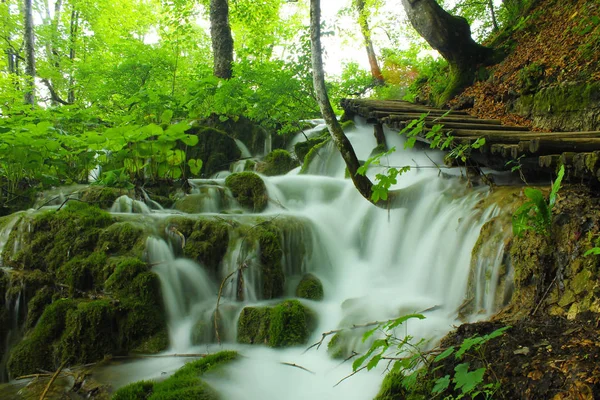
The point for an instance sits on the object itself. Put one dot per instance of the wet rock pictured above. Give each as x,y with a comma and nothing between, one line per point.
286,324
215,148
249,190
102,196
277,162
310,287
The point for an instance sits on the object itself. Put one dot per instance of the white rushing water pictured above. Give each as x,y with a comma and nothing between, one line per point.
375,265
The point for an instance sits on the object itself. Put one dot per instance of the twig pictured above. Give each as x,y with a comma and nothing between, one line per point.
43,396
333,332
297,366
544,296
348,376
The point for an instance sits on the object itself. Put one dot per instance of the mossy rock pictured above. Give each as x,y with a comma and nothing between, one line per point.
90,332
123,238
215,148
277,162
155,344
243,129
207,243
287,324
267,235
249,190
185,384
36,351
253,325
53,238
102,196
312,153
36,306
302,148
310,287
81,274
340,345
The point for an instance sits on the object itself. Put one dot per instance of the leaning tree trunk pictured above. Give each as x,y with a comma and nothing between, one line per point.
451,37
362,183
222,41
366,32
29,53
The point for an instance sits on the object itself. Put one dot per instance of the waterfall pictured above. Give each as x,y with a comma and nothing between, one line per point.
374,264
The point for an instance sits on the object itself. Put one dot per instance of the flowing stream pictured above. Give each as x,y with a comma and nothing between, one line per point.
375,265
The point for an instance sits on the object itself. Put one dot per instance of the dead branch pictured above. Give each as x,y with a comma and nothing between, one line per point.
297,366
348,376
43,396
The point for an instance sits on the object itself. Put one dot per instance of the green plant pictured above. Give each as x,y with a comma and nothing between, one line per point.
438,139
411,364
516,165
535,214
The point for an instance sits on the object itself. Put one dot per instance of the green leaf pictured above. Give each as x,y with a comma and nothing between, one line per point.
166,117
592,251
466,380
556,186
441,385
444,354
190,140
195,166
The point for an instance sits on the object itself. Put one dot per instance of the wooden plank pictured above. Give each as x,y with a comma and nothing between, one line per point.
450,118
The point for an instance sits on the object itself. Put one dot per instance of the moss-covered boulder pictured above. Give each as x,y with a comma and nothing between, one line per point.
102,196
54,237
310,287
81,274
215,148
127,237
185,384
268,238
207,242
287,324
249,190
277,162
36,351
302,148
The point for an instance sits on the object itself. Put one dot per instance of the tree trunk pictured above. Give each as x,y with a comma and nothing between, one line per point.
362,183
366,32
29,53
493,13
222,41
74,29
451,37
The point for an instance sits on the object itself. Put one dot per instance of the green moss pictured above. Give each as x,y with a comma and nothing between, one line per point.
90,332
286,324
155,344
277,162
349,124
102,196
312,153
310,287
291,324
391,388
123,238
207,243
340,345
184,384
52,238
302,148
253,325
35,306
267,235
124,274
81,274
36,351
249,190
135,391
249,165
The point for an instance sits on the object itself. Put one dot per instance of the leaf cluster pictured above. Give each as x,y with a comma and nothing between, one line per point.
536,214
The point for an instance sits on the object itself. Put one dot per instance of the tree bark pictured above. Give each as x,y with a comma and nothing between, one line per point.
366,32
74,29
29,52
222,41
362,183
451,37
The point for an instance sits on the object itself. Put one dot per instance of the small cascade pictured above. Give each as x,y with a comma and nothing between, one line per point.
15,304
245,153
5,233
153,205
188,292
125,204
208,196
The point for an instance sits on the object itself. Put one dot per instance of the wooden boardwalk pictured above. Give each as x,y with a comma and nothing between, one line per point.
537,152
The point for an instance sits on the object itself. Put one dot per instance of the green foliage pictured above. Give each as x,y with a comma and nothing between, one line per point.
249,190
410,365
536,214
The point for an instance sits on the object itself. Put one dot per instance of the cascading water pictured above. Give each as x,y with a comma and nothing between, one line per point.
375,265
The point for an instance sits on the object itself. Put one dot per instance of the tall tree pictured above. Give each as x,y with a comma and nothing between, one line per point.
362,183
222,41
363,21
29,51
451,37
